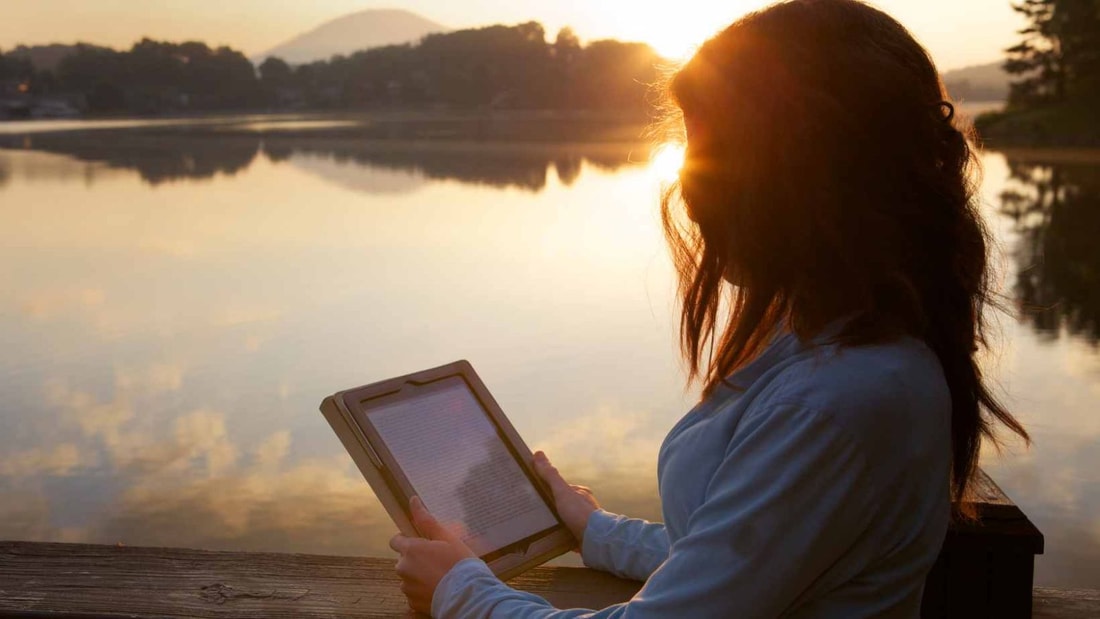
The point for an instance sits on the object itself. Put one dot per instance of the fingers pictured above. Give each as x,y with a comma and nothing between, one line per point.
549,474
400,543
428,526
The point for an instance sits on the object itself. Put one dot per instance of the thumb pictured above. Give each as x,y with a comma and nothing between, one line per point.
428,526
550,474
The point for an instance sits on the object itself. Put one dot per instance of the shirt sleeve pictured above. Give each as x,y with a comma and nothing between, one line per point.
626,547
792,495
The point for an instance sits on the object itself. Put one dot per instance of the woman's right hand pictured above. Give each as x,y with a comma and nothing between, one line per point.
574,503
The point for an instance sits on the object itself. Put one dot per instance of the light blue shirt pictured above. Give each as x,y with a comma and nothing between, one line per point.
818,488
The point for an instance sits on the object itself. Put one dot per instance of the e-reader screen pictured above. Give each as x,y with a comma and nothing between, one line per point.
458,464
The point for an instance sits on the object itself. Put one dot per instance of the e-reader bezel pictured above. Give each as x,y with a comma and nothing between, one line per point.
507,560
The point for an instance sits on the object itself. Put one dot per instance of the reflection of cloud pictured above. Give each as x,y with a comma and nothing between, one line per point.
91,416
201,435
615,454
167,247
46,304
185,484
603,443
315,506
358,177
152,379
62,459
234,315
1055,485
24,515
198,436
270,454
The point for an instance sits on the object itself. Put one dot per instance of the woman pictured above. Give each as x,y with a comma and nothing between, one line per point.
832,270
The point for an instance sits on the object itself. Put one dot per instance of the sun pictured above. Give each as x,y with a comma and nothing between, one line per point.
677,47
666,161
674,32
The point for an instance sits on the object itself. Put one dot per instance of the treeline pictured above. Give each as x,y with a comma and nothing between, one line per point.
1056,66
1058,58
150,77
498,66
506,67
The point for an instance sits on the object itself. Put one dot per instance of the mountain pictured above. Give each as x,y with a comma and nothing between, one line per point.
350,33
984,82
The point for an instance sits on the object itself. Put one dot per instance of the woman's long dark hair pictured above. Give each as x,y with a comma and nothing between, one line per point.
825,176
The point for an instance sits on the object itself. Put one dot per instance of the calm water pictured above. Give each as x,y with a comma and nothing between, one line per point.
172,311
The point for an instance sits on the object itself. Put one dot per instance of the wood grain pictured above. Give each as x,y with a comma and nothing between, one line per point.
77,581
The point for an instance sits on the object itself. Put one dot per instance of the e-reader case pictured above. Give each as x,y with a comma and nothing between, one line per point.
384,475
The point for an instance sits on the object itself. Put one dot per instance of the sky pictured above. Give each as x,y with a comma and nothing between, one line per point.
957,32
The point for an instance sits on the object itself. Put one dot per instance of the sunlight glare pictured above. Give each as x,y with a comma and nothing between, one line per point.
666,161
670,32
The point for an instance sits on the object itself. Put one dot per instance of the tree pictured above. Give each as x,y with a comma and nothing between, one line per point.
1059,56
275,72
14,68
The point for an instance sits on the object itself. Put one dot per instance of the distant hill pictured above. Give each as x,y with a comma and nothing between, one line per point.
43,57
350,33
984,82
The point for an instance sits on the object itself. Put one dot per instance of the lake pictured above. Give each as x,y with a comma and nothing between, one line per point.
174,305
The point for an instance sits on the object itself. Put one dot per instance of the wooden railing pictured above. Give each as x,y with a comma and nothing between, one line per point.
983,571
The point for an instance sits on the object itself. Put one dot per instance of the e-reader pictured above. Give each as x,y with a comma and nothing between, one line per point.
439,434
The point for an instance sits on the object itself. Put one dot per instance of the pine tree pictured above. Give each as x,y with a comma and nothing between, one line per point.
1059,56
1079,33
1037,58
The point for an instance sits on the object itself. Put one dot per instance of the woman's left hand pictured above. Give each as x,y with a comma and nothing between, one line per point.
426,560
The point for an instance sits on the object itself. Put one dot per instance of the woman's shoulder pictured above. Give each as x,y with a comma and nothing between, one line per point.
875,391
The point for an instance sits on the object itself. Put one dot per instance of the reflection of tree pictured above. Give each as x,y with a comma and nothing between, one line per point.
491,494
163,156
473,164
496,164
1056,210
157,158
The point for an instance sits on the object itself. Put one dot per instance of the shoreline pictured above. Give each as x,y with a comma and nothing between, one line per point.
1061,126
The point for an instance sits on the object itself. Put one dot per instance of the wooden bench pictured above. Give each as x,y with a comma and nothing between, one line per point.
983,571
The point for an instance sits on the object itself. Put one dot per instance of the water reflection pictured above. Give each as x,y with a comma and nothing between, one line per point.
195,155
166,342
1055,207
493,164
156,159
